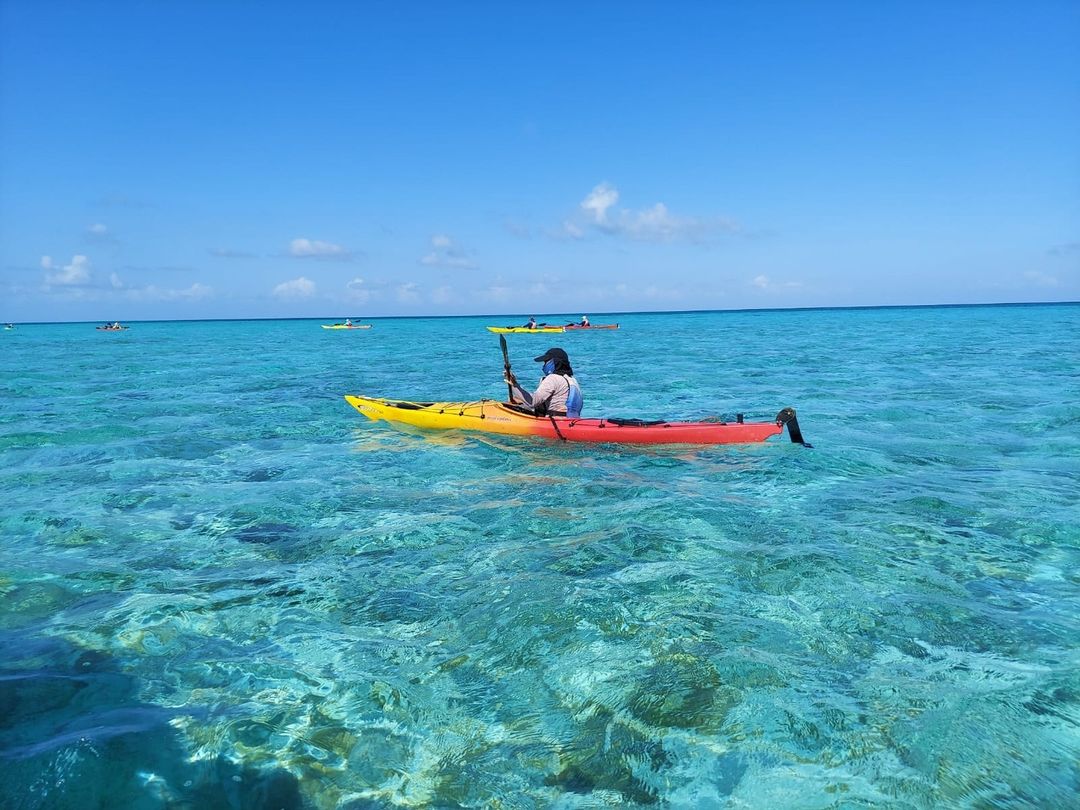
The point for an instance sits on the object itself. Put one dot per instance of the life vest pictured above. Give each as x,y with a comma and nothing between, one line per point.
574,400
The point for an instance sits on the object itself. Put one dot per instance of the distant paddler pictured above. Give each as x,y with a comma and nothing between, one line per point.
531,327
346,324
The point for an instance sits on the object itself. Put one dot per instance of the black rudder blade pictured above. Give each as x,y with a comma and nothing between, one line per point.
787,417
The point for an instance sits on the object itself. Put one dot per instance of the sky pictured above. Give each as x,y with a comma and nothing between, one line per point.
242,159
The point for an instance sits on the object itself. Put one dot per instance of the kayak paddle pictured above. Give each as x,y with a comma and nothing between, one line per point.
506,367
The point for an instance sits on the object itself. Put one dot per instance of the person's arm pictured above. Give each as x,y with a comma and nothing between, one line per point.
518,394
521,395
539,398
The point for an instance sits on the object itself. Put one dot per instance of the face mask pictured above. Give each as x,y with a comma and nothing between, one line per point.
549,366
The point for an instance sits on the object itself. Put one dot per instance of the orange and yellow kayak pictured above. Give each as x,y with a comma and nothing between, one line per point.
491,416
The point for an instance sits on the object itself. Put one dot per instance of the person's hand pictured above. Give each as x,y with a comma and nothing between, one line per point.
509,378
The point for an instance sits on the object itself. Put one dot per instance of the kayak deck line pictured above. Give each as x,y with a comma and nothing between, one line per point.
492,416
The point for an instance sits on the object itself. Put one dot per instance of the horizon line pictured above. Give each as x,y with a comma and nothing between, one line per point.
600,313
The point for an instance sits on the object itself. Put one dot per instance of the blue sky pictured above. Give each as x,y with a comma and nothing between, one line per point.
243,159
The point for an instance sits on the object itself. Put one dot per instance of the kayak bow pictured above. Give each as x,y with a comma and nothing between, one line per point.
490,416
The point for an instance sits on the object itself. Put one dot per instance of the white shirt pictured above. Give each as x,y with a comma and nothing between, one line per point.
551,394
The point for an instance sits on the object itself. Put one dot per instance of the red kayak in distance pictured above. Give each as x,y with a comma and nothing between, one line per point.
577,326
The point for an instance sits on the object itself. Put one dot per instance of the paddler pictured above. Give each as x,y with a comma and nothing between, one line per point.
558,394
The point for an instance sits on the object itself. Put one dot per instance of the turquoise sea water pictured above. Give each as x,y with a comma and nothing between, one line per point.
223,587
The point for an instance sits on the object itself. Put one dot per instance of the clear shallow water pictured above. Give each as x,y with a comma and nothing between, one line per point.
223,587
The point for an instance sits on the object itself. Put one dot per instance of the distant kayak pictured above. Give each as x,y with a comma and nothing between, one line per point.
577,326
491,416
344,326
508,330
111,328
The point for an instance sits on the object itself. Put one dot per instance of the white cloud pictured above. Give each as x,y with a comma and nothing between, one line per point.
356,292
598,201
297,288
765,283
70,275
445,295
498,293
654,224
446,252
654,293
569,230
74,281
524,295
229,253
409,292
195,292
315,249
1040,278
99,233
539,289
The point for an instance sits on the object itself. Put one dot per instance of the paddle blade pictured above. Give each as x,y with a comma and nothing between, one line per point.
506,367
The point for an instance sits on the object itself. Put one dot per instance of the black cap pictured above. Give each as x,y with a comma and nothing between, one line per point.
553,354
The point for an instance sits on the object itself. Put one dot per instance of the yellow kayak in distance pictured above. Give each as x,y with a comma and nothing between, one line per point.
343,326
520,330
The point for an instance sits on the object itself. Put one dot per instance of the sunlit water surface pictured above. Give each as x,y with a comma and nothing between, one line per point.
223,587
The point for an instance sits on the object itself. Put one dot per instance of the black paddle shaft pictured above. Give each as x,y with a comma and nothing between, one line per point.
506,367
